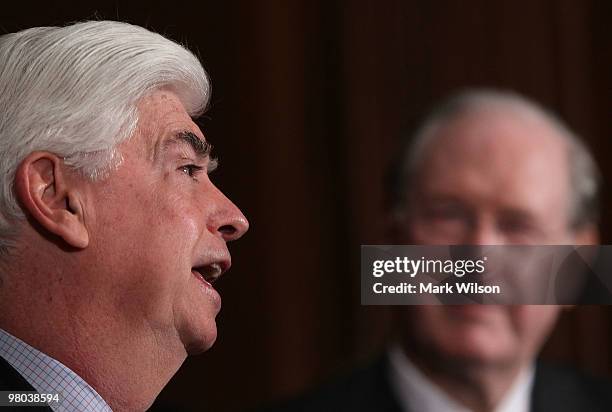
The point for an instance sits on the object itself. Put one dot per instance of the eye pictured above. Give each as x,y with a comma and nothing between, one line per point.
191,170
518,221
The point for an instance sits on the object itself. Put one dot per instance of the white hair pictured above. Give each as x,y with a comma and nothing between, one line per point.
73,91
584,174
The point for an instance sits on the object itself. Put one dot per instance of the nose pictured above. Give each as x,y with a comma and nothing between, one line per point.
483,231
228,221
235,229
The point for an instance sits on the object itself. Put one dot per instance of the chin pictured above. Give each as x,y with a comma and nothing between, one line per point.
198,346
200,337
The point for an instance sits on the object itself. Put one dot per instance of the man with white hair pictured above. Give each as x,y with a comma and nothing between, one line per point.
111,233
486,168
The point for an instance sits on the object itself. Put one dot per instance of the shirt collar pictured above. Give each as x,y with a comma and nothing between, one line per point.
48,375
416,392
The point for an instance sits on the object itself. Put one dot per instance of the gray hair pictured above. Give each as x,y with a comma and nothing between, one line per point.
584,175
73,91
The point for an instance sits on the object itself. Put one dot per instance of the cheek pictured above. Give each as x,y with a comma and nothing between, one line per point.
430,324
417,232
152,258
534,323
180,218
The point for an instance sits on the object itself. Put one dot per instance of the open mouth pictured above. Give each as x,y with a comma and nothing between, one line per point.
210,273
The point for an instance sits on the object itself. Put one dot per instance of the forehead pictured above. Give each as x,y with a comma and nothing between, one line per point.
161,116
500,155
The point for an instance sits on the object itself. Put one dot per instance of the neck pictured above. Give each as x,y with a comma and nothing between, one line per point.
477,386
51,309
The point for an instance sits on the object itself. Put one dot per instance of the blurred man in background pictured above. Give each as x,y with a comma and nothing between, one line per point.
485,168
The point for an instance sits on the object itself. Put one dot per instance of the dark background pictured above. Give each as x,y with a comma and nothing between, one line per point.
309,101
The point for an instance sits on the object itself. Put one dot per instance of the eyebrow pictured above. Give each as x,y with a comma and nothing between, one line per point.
201,147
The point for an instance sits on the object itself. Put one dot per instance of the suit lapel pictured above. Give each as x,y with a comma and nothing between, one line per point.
11,380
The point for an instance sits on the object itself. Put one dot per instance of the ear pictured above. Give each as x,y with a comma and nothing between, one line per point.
51,197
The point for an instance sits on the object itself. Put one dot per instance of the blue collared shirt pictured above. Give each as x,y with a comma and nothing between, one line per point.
49,376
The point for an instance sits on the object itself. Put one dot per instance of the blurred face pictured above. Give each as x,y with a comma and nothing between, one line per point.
493,177
160,229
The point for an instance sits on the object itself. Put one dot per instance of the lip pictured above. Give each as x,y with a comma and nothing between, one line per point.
208,289
208,268
473,312
213,265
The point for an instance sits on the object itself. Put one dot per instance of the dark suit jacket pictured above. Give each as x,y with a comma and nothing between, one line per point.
368,389
11,380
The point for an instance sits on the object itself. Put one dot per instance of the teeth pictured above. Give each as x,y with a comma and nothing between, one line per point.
210,273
